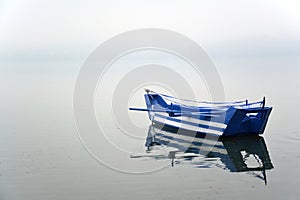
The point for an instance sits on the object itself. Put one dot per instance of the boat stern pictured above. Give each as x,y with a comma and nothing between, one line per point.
246,121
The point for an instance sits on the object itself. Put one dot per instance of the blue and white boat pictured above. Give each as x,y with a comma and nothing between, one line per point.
217,118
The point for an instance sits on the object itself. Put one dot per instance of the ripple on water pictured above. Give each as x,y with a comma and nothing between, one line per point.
293,136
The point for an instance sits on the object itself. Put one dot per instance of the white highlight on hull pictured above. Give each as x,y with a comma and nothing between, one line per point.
199,121
182,125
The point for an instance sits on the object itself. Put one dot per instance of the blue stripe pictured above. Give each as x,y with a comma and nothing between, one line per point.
191,123
167,140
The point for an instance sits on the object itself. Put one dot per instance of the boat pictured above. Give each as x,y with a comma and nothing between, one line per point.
218,118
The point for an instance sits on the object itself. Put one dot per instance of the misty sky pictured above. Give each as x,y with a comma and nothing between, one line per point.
72,29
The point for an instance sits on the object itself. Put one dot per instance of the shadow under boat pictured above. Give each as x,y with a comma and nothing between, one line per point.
235,152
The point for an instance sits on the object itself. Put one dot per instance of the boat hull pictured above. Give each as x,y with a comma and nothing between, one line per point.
233,121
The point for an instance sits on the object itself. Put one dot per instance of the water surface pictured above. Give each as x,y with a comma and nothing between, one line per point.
41,156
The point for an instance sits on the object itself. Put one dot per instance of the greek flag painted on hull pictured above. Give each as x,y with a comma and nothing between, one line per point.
217,118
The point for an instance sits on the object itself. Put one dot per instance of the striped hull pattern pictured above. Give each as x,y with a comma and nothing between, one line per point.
248,119
191,124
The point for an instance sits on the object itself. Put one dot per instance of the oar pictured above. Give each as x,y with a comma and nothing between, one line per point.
153,110
177,112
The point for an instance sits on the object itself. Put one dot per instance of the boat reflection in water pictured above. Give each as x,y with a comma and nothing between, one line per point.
235,153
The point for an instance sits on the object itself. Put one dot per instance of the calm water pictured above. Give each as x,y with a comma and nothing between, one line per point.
41,156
